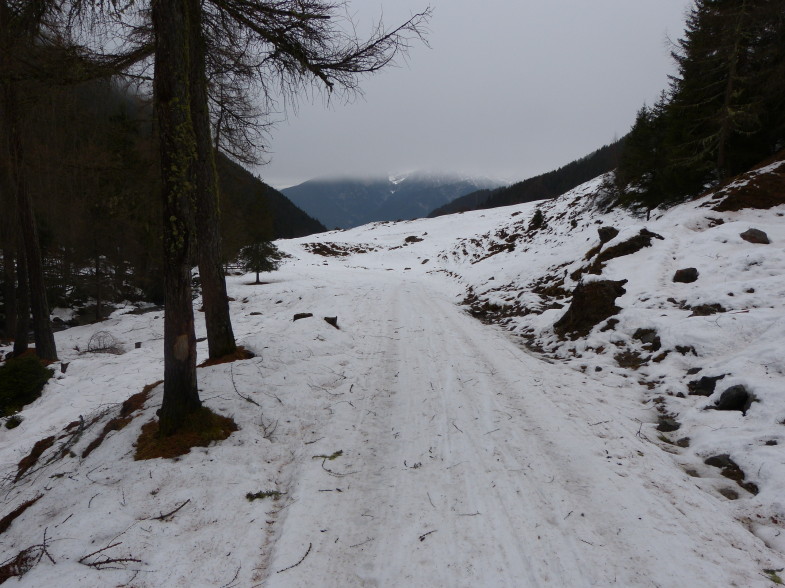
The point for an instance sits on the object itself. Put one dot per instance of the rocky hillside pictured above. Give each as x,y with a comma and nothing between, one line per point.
623,409
685,311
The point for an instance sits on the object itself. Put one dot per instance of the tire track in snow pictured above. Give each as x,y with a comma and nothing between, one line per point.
479,465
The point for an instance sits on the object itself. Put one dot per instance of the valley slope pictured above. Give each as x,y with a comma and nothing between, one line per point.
410,444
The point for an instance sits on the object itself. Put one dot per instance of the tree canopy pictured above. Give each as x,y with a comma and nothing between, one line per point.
724,110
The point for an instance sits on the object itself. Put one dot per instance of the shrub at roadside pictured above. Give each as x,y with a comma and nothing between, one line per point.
21,382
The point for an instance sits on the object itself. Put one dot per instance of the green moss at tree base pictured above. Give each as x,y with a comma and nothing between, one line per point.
201,428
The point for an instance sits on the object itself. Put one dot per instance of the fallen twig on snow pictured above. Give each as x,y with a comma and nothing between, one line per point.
310,545
269,429
231,582
101,564
163,517
424,535
234,385
24,561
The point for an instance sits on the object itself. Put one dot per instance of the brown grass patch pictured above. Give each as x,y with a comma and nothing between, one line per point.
115,424
6,521
32,458
134,403
239,354
200,429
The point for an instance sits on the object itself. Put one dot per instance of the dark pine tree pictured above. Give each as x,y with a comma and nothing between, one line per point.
262,256
725,110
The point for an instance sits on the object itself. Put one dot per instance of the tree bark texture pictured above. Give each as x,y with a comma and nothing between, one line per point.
9,288
10,241
22,304
45,346
12,134
220,336
178,151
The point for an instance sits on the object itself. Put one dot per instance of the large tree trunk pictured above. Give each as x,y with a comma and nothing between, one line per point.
178,150
220,337
42,327
12,134
22,304
727,120
9,243
9,288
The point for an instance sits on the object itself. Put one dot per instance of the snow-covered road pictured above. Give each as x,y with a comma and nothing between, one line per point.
468,462
458,458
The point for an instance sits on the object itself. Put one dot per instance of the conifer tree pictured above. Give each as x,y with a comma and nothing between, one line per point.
713,100
725,108
643,175
296,43
261,256
20,24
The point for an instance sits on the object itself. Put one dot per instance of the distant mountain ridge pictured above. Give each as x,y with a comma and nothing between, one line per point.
350,202
542,187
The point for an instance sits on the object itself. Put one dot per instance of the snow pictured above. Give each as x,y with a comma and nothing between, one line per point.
460,457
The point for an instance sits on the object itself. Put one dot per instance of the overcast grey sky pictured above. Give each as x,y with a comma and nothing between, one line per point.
509,89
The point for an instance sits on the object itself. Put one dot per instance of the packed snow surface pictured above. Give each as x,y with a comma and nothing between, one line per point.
417,446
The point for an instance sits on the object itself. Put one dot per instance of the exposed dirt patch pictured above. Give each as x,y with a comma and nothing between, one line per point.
628,247
490,312
706,309
23,562
136,402
115,424
337,249
729,493
731,470
550,286
630,359
753,190
592,252
591,304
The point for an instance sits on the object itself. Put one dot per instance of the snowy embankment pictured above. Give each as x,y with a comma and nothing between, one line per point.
417,446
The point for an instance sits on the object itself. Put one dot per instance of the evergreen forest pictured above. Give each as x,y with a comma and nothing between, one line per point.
723,111
94,183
